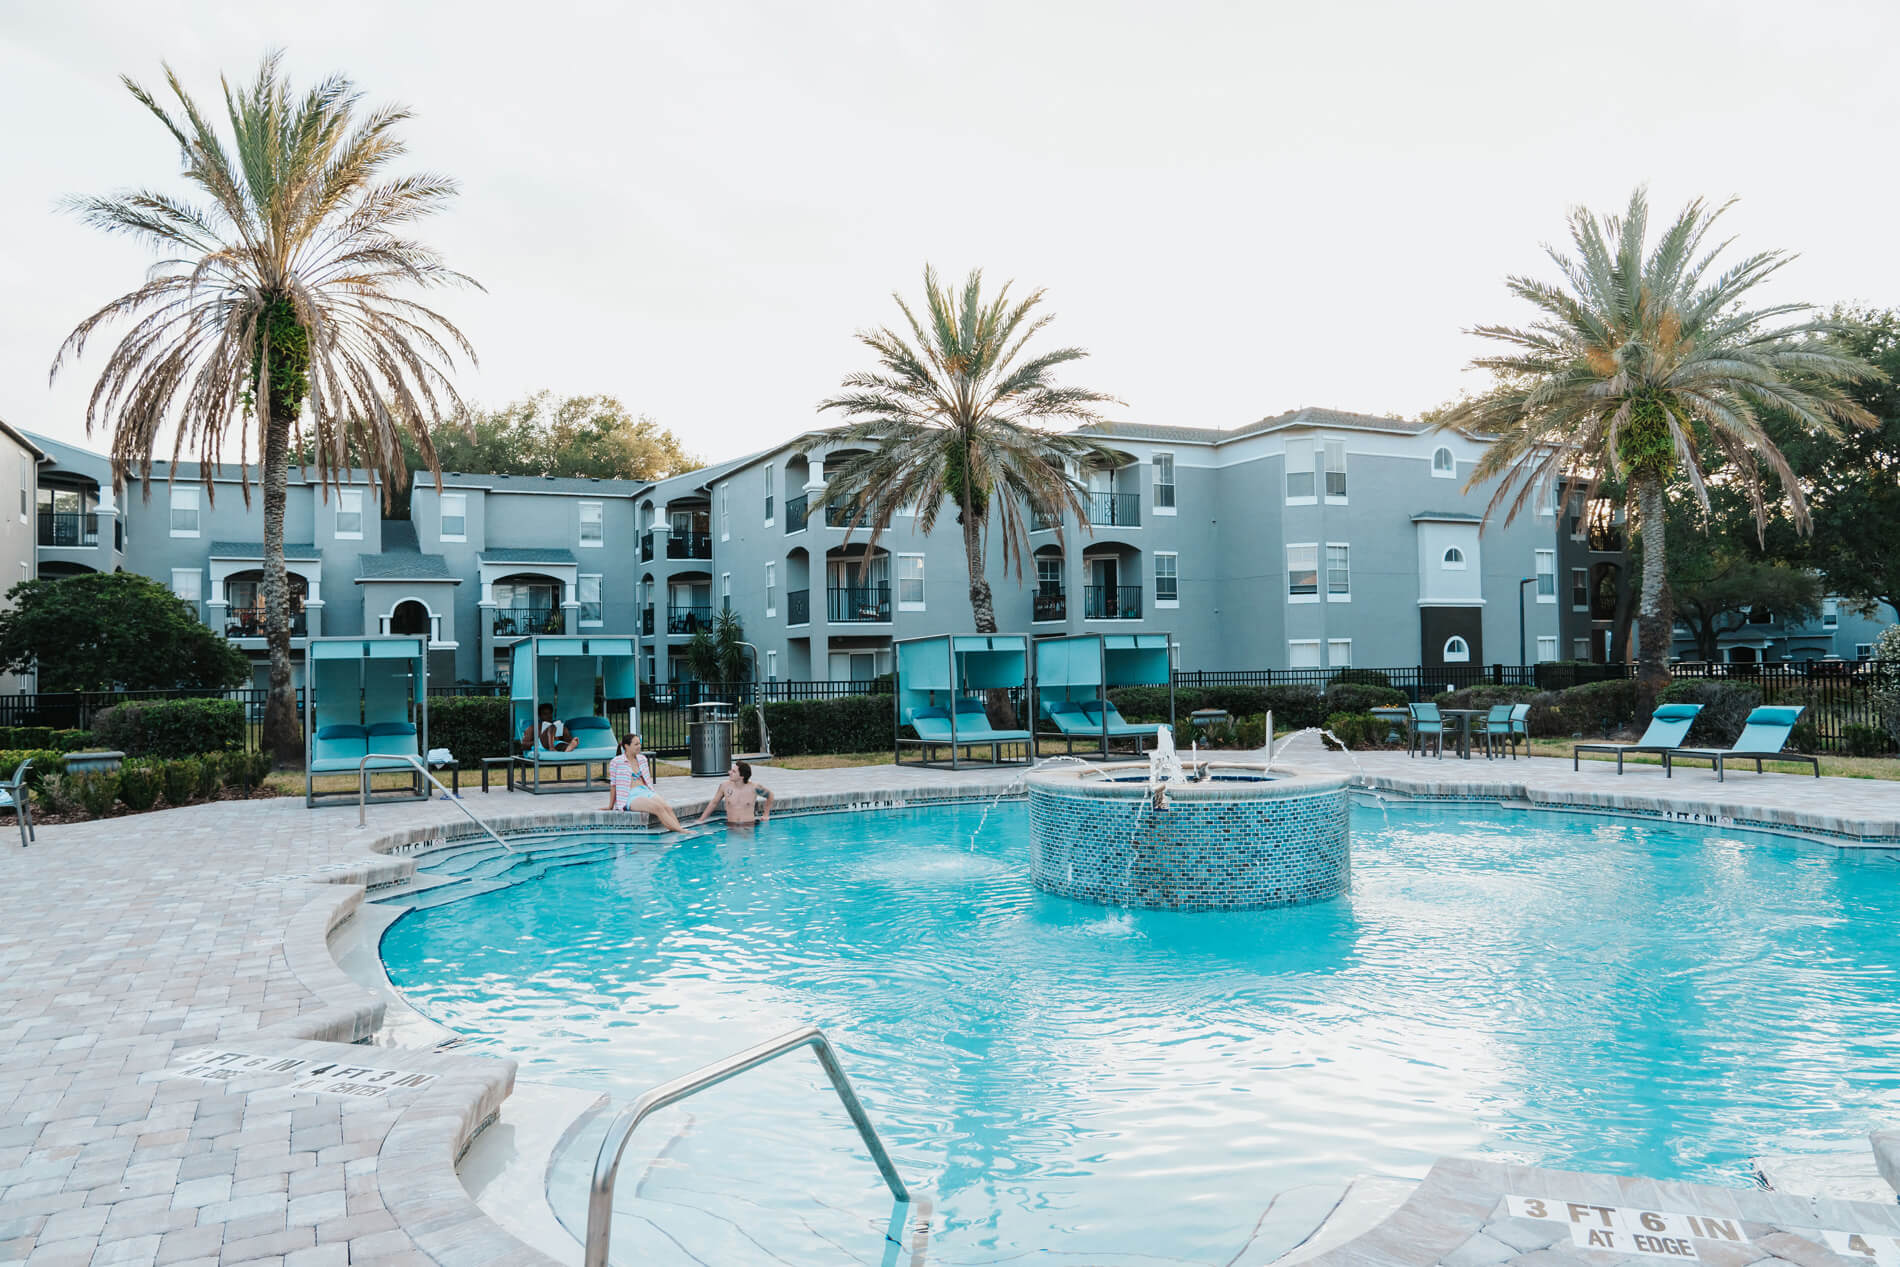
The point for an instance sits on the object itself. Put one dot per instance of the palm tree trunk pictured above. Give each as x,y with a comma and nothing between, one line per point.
283,737
1653,617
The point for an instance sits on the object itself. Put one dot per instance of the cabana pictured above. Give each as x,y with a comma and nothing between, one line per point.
365,697
1074,676
563,671
939,685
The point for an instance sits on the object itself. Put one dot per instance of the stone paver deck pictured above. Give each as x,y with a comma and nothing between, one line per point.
127,943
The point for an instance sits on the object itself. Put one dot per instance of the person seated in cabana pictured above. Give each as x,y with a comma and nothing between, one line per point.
548,734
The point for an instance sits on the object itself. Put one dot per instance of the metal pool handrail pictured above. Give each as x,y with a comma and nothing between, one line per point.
600,1199
362,792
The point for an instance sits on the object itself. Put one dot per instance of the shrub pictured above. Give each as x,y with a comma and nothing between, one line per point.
1358,730
1251,732
470,726
1150,703
95,793
211,773
138,785
171,727
45,762
56,793
1357,677
851,723
71,740
27,737
1725,709
1545,722
245,770
1596,708
180,778
1865,741
1805,737
1486,695
1350,697
1295,707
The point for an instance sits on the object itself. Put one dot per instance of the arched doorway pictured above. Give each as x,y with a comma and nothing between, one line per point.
410,618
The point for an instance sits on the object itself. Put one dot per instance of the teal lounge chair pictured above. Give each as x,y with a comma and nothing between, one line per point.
1083,720
1425,724
973,729
1668,727
1762,739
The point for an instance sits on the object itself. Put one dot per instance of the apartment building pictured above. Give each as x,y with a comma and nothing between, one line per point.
20,462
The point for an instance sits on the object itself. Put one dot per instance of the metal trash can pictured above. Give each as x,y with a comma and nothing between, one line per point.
709,738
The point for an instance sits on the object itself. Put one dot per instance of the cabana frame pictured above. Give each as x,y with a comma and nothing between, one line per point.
562,670
1080,670
938,681
365,697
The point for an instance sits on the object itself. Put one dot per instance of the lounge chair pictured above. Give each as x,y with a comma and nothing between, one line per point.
1668,727
973,729
13,796
1083,720
1425,722
1763,737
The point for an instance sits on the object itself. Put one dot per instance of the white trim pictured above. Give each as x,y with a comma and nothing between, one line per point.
441,513
1448,473
771,587
1584,606
1168,603
1326,443
1447,564
1338,642
197,583
1463,655
1154,482
1287,588
897,576
1326,570
1319,650
580,528
1537,570
724,493
1541,640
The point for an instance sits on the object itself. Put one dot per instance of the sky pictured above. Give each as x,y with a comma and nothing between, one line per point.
1237,209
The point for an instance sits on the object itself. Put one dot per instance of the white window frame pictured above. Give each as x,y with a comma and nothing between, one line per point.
1335,658
1546,643
1174,560
897,571
197,584
1830,613
1548,498
189,498
442,520
1449,471
725,512
1299,458
771,666
600,520
1154,463
1331,449
1345,595
1448,564
1579,648
771,588
26,486
1575,606
725,591
600,599
771,495
1304,643
349,501
1313,546
1460,656
1546,566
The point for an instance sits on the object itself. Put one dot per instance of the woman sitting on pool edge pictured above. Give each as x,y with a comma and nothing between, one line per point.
739,794
628,768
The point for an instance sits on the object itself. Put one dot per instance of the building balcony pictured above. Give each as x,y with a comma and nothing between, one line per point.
796,509
1111,602
1040,522
520,622
839,516
1115,510
248,623
858,605
689,619
1050,604
689,545
68,528
798,607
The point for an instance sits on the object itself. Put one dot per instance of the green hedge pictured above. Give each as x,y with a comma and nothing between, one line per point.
1356,697
1591,710
1292,706
1358,677
800,728
1486,695
1359,730
470,726
1150,703
45,761
172,727
1725,710
13,737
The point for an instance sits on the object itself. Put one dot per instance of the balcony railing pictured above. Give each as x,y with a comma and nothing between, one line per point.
520,622
839,516
689,545
1041,522
646,621
68,528
858,604
248,622
798,607
1111,602
688,619
1115,510
1051,605
795,509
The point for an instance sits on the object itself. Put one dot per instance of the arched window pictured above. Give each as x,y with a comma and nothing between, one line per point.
410,617
1457,650
1442,463
1454,559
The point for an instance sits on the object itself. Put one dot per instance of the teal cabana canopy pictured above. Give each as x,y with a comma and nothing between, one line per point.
366,709
570,673
1074,676
940,686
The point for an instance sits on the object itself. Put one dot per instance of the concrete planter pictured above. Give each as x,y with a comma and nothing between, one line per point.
93,762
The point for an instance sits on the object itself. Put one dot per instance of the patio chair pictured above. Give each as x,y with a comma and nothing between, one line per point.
1497,726
13,796
1425,723
1763,737
1668,727
1520,728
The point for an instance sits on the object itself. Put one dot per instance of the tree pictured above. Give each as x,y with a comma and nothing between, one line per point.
1644,368
577,436
718,653
956,413
104,631
1719,598
282,301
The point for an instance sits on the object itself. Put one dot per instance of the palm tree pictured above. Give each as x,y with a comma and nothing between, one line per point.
1644,371
956,413
283,290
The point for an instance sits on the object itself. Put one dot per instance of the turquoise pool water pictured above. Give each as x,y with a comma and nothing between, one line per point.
1108,1086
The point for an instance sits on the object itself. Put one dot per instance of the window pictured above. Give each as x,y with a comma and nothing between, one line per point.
1302,573
1830,613
1580,588
725,516
769,475
26,486
910,582
1548,498
1579,648
1302,653
1299,470
1167,579
1049,574
1164,483
1546,576
184,512
1863,651
1338,572
1546,648
1443,467
188,584
588,591
1335,453
725,591
1454,560
593,525
1339,653
454,517
771,589
771,659
349,514
1457,650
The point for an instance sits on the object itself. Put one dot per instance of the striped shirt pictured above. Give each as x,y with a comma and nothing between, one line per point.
620,773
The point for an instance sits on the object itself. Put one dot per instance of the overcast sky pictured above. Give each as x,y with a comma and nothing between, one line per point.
1238,209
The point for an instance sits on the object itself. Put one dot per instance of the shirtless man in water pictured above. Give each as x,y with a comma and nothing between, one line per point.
739,796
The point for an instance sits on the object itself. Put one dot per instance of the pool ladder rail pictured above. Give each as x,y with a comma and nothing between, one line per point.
600,1198
362,793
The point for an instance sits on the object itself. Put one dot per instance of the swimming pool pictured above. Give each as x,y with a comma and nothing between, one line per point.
1575,991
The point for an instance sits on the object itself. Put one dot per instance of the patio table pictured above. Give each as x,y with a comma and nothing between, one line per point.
1464,716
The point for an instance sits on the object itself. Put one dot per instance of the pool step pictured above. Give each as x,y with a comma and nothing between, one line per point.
448,875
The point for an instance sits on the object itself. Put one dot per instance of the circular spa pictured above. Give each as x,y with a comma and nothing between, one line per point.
1126,1086
1212,838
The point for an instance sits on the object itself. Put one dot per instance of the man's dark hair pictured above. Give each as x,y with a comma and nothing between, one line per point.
546,709
745,771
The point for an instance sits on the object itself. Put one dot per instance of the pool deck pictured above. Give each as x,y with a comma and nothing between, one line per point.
130,944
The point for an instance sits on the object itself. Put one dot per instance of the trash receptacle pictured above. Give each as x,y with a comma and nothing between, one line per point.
709,738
